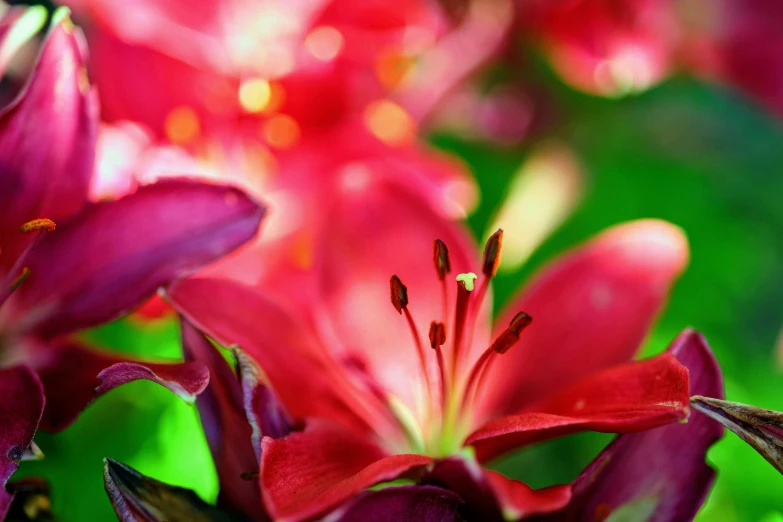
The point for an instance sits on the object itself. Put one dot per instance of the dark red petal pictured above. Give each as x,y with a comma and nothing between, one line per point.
630,397
308,382
592,309
658,475
137,498
114,255
393,504
57,108
20,411
74,375
310,472
491,496
226,427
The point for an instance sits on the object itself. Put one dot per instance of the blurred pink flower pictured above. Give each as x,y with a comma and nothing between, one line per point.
68,264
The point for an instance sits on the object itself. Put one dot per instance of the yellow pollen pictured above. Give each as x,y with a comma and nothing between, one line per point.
281,131
324,43
255,95
182,125
389,122
35,225
468,280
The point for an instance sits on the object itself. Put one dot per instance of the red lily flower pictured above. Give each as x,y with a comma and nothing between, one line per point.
377,405
309,469
68,264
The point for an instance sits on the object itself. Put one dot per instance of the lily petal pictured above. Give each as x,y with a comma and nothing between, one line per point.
137,498
20,412
115,254
52,181
491,496
307,381
762,429
381,229
310,472
425,503
631,397
592,309
657,475
74,375
226,426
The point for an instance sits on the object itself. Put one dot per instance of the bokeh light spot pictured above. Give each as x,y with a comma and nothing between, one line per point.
324,43
182,125
281,131
255,95
389,122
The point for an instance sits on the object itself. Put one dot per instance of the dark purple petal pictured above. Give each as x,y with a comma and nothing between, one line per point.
20,411
226,427
490,496
47,141
392,504
266,415
115,254
137,498
658,475
762,429
73,376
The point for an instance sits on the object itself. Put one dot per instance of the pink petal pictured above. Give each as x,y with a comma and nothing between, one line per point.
20,411
491,496
58,108
73,376
591,307
115,254
307,381
377,230
660,473
226,427
631,397
307,473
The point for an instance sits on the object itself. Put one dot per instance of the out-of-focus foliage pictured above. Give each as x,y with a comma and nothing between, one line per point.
697,155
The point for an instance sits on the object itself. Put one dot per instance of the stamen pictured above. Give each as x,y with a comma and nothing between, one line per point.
399,298
464,288
441,259
442,268
510,335
438,339
399,294
502,344
35,225
492,254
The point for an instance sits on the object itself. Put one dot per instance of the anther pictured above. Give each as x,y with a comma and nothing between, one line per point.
510,335
437,334
399,293
441,259
492,253
46,225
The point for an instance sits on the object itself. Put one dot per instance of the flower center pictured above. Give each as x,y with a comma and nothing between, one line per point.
452,397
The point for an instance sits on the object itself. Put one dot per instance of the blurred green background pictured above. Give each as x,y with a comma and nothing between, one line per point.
697,155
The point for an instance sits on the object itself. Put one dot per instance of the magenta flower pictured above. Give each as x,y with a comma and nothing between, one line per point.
68,264
367,405
367,413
